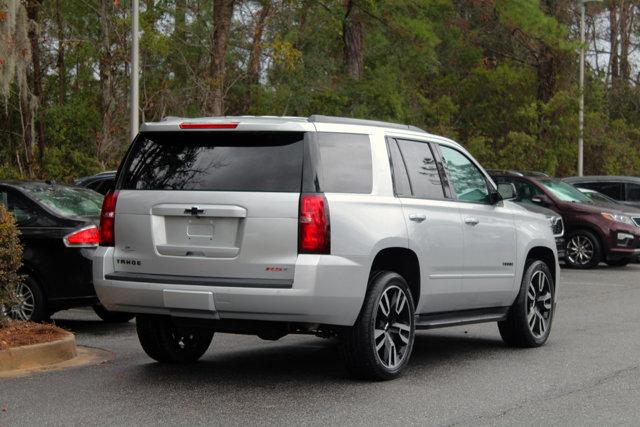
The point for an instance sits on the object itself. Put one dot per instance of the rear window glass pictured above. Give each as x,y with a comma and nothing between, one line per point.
67,201
345,163
215,161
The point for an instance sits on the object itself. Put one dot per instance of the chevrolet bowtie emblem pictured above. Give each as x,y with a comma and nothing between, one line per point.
194,211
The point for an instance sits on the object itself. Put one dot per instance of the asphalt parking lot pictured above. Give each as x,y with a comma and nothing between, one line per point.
587,374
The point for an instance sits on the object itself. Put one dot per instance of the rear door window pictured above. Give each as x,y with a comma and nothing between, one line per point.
633,193
215,161
345,163
422,168
615,190
401,184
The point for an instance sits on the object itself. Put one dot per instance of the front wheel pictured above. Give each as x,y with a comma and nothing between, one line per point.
165,342
583,250
528,322
379,345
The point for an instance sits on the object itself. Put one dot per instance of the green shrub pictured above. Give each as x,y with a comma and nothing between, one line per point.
10,259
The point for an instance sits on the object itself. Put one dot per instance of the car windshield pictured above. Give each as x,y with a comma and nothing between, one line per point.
68,201
566,192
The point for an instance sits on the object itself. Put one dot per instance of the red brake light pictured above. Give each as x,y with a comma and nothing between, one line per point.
314,229
87,237
208,125
107,219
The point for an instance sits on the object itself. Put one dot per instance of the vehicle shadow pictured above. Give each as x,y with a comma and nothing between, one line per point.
307,362
94,327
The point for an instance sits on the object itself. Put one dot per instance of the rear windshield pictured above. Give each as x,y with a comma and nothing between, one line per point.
215,161
68,201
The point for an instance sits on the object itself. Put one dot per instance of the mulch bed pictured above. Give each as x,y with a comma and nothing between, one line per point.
17,334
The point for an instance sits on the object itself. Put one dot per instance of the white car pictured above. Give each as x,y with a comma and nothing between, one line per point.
366,231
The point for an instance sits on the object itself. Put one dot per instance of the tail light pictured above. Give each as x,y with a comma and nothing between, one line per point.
87,237
108,218
314,231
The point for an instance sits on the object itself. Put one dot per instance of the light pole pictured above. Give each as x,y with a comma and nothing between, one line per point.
583,4
135,93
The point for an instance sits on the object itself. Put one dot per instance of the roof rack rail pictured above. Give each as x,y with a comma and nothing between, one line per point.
318,118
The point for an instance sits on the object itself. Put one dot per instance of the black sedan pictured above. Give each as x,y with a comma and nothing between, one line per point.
58,226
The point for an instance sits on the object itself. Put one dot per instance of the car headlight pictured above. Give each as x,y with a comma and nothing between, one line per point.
618,218
556,224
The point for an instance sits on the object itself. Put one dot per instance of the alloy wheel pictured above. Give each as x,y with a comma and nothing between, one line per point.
580,250
392,327
539,304
24,303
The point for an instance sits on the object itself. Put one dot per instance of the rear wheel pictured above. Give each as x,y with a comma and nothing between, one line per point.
618,262
583,250
112,316
168,343
30,302
379,345
528,322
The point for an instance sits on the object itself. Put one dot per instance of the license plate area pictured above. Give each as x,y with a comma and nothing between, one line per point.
188,300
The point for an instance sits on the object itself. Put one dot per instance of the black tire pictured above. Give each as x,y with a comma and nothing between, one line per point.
622,262
32,303
515,329
168,343
582,239
112,316
358,343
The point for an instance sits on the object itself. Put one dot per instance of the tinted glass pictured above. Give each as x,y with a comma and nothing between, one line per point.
215,161
615,190
24,212
566,192
401,183
633,193
422,169
468,182
68,201
524,190
345,163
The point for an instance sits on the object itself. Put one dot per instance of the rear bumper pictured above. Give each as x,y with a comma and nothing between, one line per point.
325,289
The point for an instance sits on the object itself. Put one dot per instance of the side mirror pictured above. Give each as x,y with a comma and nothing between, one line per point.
541,199
507,191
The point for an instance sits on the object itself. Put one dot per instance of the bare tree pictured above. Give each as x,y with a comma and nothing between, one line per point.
33,14
106,82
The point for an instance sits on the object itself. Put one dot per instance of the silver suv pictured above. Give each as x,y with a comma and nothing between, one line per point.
365,231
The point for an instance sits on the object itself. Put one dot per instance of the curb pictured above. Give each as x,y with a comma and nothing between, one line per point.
38,355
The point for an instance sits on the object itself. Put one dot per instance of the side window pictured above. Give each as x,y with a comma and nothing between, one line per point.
401,184
4,199
424,177
345,163
525,191
468,182
25,214
615,190
633,193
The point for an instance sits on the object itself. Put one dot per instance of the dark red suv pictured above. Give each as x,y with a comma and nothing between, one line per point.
593,233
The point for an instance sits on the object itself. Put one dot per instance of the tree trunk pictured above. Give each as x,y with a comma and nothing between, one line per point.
253,70
353,40
106,81
614,67
33,11
222,15
60,60
626,29
178,41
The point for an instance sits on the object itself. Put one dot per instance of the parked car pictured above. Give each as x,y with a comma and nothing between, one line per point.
102,182
327,226
624,189
510,192
592,233
58,230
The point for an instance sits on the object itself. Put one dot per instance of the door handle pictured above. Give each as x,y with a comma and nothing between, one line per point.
417,217
471,221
